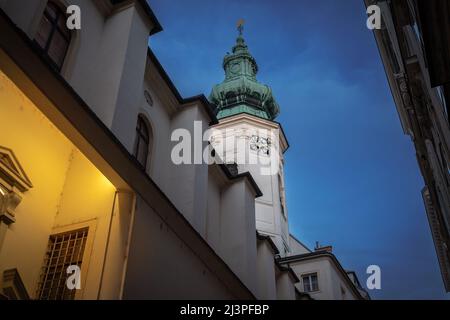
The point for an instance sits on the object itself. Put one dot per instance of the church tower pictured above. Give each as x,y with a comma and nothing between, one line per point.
249,136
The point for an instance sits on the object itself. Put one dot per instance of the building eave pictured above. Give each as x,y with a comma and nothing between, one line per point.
201,99
251,117
303,294
288,269
148,11
244,175
269,239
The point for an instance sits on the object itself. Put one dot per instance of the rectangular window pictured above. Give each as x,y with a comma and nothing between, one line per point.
310,282
63,250
53,36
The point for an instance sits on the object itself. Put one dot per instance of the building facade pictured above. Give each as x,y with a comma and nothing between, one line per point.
414,42
87,177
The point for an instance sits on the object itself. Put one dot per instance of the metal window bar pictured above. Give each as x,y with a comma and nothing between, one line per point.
63,250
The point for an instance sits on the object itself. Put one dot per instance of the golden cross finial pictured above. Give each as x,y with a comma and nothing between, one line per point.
240,26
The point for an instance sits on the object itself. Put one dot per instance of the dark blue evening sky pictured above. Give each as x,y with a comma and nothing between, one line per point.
351,175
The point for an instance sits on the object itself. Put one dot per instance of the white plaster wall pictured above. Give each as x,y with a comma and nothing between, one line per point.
187,183
285,286
159,119
265,269
237,232
172,273
97,68
213,217
269,217
132,79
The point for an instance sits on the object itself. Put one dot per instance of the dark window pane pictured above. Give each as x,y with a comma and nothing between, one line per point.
62,27
43,34
310,283
53,35
57,49
141,147
314,284
142,154
306,286
51,10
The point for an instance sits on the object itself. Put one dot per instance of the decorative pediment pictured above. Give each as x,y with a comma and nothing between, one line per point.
13,286
13,181
11,172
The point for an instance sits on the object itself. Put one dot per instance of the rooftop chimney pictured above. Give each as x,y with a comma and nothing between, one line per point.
323,248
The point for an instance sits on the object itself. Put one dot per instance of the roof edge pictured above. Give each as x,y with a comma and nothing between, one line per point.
182,101
296,239
244,175
281,267
156,25
269,239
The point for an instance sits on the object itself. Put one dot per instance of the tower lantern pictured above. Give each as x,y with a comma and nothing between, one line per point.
240,92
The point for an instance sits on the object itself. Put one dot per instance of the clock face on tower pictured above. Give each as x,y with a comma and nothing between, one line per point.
235,68
260,144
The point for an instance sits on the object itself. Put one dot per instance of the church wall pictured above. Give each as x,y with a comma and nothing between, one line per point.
214,214
187,183
265,269
160,122
238,238
132,80
285,286
173,271
112,282
96,67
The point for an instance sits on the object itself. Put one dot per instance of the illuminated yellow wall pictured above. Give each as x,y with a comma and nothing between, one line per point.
43,153
87,195
67,189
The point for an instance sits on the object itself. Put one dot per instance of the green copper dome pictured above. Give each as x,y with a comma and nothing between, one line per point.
240,92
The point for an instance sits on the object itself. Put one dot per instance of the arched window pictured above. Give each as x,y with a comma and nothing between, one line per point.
142,143
53,36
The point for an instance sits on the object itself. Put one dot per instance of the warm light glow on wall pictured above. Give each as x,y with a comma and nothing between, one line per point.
29,125
68,189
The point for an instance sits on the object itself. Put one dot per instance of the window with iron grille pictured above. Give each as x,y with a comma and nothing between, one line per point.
64,249
53,36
